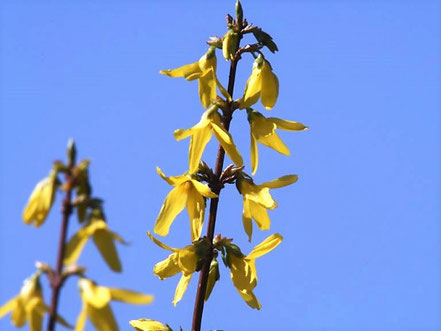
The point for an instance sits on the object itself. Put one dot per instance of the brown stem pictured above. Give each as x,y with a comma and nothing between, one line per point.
57,278
203,275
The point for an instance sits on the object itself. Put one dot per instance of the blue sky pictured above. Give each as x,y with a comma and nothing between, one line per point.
361,247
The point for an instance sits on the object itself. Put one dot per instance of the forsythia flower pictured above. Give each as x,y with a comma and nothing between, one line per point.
204,70
145,324
96,305
243,268
41,199
186,260
29,306
188,192
201,134
257,199
263,130
262,83
102,237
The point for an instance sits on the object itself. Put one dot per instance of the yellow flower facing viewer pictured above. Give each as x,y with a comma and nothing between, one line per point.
187,192
103,238
186,260
204,70
145,324
243,268
29,306
96,304
257,200
201,134
41,200
262,83
263,130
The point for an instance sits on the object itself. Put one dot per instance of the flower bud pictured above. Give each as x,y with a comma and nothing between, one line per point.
229,45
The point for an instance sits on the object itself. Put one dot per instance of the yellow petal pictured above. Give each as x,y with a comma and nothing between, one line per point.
81,320
102,318
35,313
203,189
252,88
187,259
240,273
94,295
223,90
270,87
167,268
144,324
181,288
128,296
173,204
250,299
273,141
197,145
76,245
254,154
257,193
8,306
207,88
225,139
260,215
161,244
265,246
280,182
172,180
104,242
184,71
246,219
287,125
196,210
18,316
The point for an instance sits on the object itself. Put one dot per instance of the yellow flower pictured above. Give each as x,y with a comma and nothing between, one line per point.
188,192
201,134
103,238
243,268
29,306
41,199
204,70
186,260
96,304
257,200
263,130
145,324
262,83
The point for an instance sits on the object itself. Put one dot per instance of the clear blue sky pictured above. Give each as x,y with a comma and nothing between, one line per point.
361,247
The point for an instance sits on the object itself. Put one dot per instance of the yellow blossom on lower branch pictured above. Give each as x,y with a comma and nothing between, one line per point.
41,200
187,192
145,324
103,238
29,306
263,130
257,200
243,268
96,304
185,260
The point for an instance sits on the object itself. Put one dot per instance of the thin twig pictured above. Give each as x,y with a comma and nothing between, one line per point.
57,278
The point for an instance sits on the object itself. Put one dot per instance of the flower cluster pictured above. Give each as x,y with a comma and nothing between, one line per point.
199,182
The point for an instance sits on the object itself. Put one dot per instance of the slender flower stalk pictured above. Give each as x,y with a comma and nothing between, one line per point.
56,279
